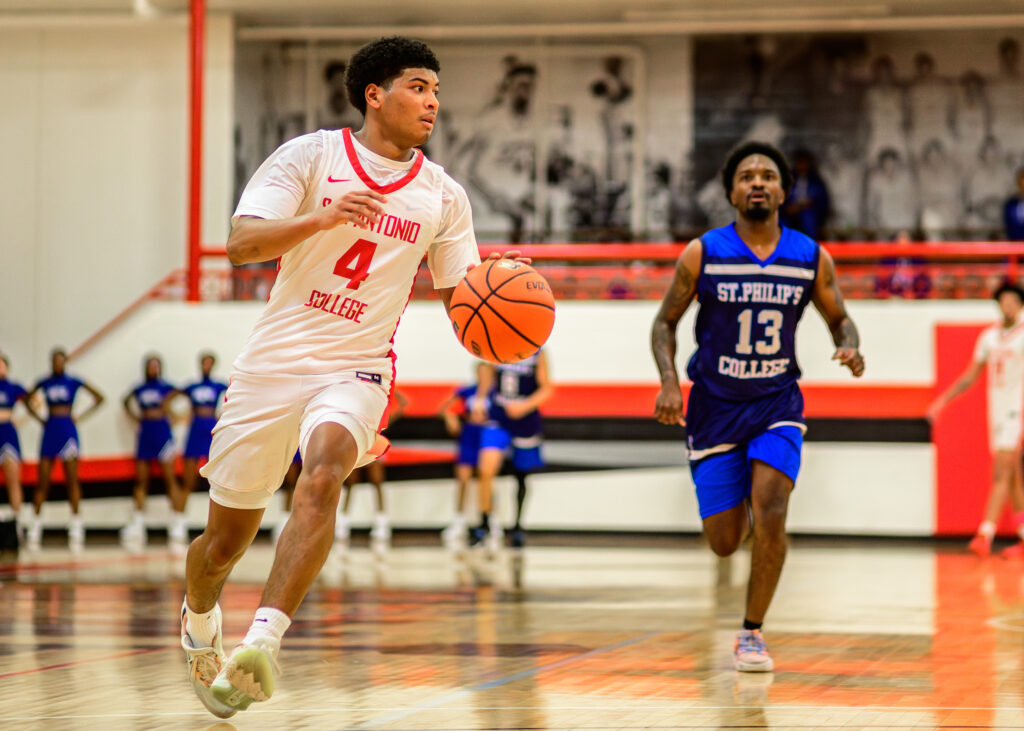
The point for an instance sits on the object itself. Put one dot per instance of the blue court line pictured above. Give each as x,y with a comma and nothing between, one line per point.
536,670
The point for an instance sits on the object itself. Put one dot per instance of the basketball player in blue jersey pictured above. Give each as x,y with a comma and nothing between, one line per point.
204,396
520,390
482,443
10,457
60,441
744,420
146,405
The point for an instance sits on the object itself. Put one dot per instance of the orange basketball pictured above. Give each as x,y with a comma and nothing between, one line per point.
503,311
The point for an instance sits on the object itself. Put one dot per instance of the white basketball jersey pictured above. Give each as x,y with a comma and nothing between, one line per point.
1003,352
340,293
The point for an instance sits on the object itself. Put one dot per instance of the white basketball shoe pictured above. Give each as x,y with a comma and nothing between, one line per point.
203,665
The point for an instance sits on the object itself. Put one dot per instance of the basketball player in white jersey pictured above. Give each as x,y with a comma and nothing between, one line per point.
350,215
1000,348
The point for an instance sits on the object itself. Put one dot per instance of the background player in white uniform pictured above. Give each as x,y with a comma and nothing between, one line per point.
1001,349
350,215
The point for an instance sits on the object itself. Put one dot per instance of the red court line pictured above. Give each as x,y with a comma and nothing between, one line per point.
83,662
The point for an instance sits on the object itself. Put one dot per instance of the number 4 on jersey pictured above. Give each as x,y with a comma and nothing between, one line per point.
354,264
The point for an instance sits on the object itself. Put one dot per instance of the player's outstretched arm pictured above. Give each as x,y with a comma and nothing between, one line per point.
253,239
829,302
964,382
668,408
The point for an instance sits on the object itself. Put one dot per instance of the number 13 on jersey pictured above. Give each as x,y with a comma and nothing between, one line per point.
772,322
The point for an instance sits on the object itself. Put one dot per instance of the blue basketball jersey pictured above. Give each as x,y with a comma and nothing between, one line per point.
206,392
10,392
516,381
59,390
151,393
467,395
749,310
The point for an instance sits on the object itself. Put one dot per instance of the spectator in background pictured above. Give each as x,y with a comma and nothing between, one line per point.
843,172
930,104
885,105
986,189
1007,99
940,189
891,205
973,118
1013,211
808,202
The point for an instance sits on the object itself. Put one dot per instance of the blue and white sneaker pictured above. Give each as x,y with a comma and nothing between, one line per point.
751,653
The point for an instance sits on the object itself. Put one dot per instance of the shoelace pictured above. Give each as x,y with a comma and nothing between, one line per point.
205,666
751,643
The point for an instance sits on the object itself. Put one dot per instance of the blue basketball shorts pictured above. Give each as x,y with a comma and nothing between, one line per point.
723,479
60,439
526,454
10,447
200,434
477,437
155,441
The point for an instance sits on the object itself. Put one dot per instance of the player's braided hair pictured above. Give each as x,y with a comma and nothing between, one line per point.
382,61
741,152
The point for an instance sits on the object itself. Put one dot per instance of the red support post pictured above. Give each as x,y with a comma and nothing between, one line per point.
195,178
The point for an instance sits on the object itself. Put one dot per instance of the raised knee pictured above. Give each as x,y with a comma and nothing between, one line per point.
724,544
322,487
223,552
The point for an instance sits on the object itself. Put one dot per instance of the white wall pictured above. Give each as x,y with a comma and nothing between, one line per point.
593,342
840,488
93,199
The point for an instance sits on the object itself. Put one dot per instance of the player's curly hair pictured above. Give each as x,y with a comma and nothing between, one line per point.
382,61
741,152
1008,286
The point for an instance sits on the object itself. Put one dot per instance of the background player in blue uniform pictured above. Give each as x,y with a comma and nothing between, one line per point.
520,390
10,458
744,419
204,396
155,443
481,448
60,441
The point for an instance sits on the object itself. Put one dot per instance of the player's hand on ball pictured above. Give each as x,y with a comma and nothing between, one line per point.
515,255
668,409
852,359
362,208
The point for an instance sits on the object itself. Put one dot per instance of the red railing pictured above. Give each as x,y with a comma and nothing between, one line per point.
644,270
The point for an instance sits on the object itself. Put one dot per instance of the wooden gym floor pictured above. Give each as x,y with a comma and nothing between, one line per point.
620,633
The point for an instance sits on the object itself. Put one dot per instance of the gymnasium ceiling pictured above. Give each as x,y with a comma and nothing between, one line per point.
639,16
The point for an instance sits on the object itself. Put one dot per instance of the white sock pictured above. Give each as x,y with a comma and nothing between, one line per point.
268,623
201,627
987,529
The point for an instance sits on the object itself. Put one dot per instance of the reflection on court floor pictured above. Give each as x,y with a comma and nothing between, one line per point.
608,635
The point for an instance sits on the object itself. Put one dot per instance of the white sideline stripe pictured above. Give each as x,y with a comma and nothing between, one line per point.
778,270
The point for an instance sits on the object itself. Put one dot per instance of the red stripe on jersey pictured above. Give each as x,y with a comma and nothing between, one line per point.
353,158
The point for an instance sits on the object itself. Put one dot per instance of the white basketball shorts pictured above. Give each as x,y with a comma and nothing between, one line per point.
266,417
1006,431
